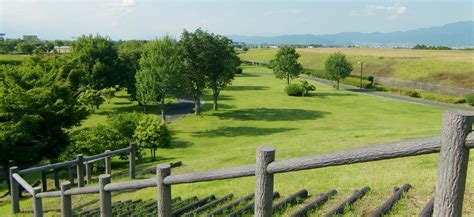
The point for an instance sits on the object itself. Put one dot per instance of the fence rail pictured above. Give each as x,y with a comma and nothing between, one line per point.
454,143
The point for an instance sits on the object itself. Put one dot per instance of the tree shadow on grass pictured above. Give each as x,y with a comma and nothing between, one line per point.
240,131
245,87
270,114
246,75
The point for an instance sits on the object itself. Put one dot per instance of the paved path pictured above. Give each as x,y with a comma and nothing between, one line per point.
392,96
178,110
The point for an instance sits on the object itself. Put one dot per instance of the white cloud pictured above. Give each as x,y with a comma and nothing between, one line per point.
129,3
391,12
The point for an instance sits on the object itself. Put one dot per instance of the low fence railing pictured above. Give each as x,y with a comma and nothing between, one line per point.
453,144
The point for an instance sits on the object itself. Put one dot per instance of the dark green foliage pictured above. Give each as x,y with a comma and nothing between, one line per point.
108,93
285,64
238,71
337,67
370,78
425,47
95,59
35,112
129,54
295,90
152,133
470,99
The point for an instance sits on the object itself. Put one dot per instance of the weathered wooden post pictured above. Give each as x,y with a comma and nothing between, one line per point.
89,173
452,164
70,173
56,179
264,182
44,181
80,170
105,196
37,203
66,205
14,191
163,192
108,165
131,162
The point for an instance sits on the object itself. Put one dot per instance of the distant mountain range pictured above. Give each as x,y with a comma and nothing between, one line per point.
458,34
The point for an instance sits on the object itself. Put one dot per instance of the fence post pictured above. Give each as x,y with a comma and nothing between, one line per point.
66,205
88,173
131,159
105,196
56,179
108,165
80,170
163,192
264,182
70,174
37,203
44,182
14,191
452,164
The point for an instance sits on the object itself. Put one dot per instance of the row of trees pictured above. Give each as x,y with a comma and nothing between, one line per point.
285,66
199,60
28,47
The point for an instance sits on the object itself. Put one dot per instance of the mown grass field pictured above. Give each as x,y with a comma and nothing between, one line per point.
256,112
447,67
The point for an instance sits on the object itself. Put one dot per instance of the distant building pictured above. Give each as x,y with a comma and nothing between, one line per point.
274,46
62,49
30,38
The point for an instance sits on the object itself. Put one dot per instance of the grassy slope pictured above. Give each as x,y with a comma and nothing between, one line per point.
256,112
453,67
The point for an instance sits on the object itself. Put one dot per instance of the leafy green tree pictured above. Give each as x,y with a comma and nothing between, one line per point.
285,65
108,93
129,53
147,88
163,59
25,47
337,67
196,60
91,98
152,133
95,58
222,62
35,112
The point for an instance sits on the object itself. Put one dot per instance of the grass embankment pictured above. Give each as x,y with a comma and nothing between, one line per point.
12,59
256,112
447,67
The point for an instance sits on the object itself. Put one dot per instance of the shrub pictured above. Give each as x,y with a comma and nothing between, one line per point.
238,71
295,90
307,87
442,98
370,78
470,99
411,93
356,82
152,133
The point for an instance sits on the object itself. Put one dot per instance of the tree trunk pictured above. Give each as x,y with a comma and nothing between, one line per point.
144,107
163,116
6,173
337,85
288,79
215,95
197,108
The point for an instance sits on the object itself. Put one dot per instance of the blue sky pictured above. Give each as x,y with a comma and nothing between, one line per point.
145,19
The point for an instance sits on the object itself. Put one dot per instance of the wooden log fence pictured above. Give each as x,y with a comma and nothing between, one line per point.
359,193
315,204
385,207
454,144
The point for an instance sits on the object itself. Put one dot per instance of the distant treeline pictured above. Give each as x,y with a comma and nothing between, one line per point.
426,47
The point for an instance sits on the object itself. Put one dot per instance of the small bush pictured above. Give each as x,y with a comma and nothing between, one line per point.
238,71
470,99
370,78
295,90
411,93
307,87
442,98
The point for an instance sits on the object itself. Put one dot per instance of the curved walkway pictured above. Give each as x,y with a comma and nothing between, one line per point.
178,110
392,96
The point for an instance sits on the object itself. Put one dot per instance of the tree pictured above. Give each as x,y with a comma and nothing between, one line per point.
337,67
25,47
152,133
35,113
108,93
285,65
129,54
95,58
91,98
163,59
196,56
222,62
307,87
147,88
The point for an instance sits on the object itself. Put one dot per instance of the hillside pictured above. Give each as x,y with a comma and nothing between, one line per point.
452,67
255,112
452,34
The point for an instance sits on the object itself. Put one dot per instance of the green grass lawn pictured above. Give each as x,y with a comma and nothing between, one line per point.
449,67
256,112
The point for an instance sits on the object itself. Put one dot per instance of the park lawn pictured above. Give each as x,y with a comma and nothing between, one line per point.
447,67
255,112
